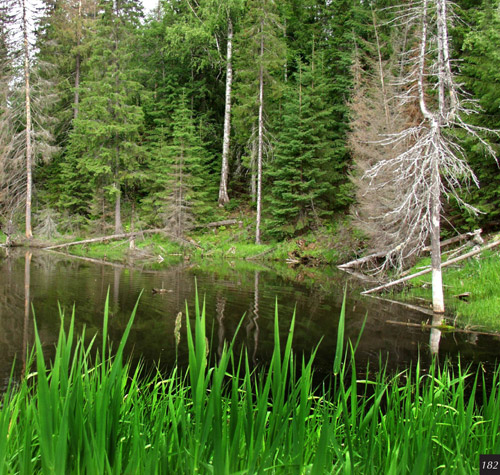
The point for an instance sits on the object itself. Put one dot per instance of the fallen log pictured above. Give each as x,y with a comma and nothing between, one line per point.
446,328
114,237
446,242
361,260
426,311
111,237
458,238
426,271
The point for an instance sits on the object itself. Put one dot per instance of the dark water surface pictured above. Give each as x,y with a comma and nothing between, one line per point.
231,290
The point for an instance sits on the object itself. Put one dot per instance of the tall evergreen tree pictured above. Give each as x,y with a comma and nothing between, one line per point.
105,139
179,194
300,176
480,68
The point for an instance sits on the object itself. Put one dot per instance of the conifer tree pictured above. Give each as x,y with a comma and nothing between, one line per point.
300,176
106,134
480,66
179,195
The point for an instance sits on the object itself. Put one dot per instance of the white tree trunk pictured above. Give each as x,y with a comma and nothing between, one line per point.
118,218
223,195
261,139
434,124
437,276
28,145
78,62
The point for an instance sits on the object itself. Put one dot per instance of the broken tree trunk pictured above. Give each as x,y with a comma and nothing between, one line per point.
426,271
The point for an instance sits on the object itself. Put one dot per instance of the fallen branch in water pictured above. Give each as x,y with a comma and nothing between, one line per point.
426,271
440,327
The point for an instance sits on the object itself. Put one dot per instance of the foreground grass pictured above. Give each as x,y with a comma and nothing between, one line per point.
479,278
224,418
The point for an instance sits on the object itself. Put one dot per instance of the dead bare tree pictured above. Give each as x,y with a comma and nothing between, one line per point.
431,165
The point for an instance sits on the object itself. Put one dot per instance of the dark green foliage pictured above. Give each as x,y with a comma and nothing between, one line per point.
301,174
180,184
481,70
104,148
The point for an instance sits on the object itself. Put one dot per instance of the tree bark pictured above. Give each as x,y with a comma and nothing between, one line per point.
78,62
29,153
437,276
223,195
118,218
261,136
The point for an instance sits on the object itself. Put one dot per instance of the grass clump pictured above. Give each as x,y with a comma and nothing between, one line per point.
96,415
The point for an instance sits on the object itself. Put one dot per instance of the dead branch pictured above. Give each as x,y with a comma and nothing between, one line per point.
361,260
217,224
426,271
458,238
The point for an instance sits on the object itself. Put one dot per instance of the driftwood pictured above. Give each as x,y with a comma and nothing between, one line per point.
426,271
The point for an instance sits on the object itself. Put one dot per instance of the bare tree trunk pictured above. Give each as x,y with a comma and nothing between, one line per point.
437,275
253,174
118,218
435,202
78,62
223,196
261,137
29,158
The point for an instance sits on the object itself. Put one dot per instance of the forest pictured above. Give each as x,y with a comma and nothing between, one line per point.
297,112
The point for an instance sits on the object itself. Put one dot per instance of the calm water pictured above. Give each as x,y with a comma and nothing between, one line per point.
231,290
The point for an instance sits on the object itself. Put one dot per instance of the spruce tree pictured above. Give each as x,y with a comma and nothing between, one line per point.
106,134
299,175
179,196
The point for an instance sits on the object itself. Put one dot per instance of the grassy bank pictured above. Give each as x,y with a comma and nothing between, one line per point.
235,241
471,290
223,417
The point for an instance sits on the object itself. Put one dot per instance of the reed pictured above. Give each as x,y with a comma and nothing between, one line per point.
94,414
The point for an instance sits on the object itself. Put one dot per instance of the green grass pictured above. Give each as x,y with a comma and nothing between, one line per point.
478,276
88,414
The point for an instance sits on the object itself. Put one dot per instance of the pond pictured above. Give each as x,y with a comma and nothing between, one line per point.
234,292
